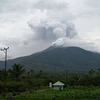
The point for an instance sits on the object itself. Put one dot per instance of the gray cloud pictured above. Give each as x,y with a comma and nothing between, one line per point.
53,30
53,24
71,31
51,5
90,8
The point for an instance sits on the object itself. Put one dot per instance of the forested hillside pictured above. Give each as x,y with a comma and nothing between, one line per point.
73,59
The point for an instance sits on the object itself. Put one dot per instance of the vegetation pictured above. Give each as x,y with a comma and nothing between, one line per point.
69,93
16,71
34,84
76,92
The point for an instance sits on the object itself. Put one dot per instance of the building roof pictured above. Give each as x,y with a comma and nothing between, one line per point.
58,83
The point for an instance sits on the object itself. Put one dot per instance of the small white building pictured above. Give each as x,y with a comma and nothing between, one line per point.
50,84
58,85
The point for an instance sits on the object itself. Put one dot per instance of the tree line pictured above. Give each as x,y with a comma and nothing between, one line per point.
18,79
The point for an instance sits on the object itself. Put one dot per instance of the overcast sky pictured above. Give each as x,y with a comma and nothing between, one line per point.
29,26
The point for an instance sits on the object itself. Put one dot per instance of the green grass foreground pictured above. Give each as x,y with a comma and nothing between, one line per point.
69,93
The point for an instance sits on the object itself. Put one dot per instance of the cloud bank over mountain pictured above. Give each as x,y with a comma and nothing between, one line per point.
28,26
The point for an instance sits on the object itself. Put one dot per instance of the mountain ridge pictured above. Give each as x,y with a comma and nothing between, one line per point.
55,59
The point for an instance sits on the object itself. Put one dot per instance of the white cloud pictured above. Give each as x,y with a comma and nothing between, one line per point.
85,43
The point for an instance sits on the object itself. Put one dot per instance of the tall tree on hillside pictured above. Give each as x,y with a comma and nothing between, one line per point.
16,71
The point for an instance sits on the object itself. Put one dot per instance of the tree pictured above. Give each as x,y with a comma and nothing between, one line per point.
16,71
91,72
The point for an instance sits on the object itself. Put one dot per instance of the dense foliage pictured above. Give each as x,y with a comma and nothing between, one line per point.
18,80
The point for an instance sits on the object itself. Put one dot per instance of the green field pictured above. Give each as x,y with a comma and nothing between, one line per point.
69,93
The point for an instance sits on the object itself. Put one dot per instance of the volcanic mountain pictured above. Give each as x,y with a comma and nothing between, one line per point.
55,59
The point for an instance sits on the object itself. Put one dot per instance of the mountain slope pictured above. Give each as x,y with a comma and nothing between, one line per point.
58,59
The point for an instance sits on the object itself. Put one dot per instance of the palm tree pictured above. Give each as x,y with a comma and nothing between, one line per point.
16,71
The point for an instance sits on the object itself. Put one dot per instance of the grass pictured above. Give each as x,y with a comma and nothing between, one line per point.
69,93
